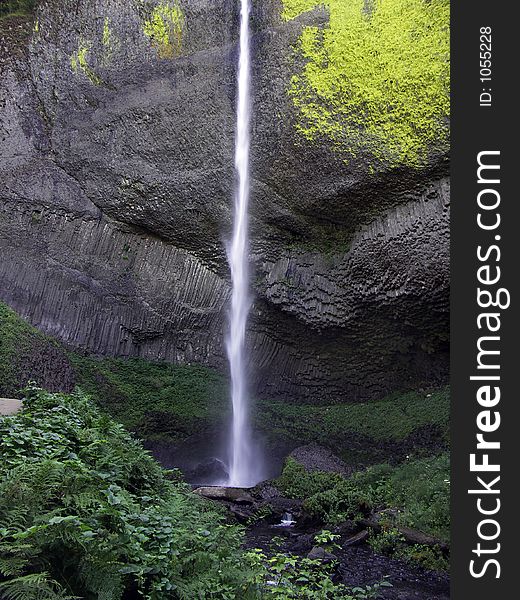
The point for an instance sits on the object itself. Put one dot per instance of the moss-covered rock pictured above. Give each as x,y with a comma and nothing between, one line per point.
376,79
164,28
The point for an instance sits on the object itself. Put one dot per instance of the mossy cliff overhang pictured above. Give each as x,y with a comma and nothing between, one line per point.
375,79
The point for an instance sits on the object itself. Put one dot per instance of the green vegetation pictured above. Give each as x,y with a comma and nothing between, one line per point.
376,79
107,33
392,418
172,402
164,28
391,542
415,494
21,346
79,63
156,400
294,8
11,8
86,513
294,577
418,488
10,324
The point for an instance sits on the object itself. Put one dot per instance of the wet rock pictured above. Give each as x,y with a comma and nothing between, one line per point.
319,553
212,470
267,491
359,538
303,543
346,529
237,495
279,506
240,513
317,458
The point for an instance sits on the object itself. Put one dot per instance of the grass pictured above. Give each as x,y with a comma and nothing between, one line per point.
392,418
156,400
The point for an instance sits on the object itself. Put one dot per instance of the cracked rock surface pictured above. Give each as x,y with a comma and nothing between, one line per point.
116,199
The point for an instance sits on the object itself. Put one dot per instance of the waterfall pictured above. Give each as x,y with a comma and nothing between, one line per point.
241,471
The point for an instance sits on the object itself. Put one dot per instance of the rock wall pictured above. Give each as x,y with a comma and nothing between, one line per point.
116,153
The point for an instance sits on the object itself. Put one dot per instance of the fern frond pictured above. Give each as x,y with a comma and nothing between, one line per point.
36,586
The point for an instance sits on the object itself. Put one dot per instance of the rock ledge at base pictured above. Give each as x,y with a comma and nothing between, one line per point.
238,495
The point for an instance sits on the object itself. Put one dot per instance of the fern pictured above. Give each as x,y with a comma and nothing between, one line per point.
36,586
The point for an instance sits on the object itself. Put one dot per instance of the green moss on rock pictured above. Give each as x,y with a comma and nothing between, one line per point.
164,28
107,33
79,63
157,400
375,80
294,8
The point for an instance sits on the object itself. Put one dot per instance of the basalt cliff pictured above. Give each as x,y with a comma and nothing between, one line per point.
116,165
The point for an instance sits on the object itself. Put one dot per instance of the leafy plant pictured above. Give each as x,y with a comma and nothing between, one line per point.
85,511
387,541
327,540
287,576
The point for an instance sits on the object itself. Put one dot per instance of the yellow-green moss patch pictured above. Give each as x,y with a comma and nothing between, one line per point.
377,79
294,8
107,33
164,29
79,63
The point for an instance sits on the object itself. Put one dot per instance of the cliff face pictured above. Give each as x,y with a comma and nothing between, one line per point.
116,154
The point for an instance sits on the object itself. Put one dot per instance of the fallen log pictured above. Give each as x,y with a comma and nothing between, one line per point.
356,539
411,536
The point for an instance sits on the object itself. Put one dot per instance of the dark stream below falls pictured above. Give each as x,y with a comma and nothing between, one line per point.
358,565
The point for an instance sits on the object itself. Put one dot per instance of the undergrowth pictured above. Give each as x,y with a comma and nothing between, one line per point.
156,400
419,490
415,494
85,512
392,418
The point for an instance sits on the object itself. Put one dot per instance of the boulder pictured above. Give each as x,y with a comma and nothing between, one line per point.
317,458
10,406
236,495
212,470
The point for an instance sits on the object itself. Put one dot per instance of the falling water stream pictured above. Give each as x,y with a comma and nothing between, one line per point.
241,468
